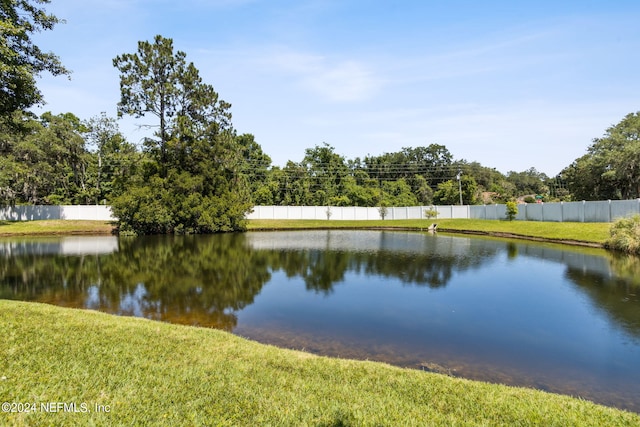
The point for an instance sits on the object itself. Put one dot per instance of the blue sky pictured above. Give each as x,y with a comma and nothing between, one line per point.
510,84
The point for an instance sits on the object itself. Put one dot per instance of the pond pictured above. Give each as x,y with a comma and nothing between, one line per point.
551,317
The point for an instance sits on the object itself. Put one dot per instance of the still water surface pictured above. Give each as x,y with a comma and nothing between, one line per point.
555,318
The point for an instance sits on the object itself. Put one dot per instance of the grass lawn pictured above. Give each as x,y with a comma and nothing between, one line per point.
54,227
567,232
594,233
151,373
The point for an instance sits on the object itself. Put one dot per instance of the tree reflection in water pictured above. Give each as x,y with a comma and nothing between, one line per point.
206,280
196,280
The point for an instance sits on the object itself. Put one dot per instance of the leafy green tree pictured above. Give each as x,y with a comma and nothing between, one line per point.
44,160
493,186
448,192
433,163
115,159
192,180
528,182
365,194
382,210
62,143
611,167
327,170
13,127
21,61
512,210
256,169
398,193
422,190
157,81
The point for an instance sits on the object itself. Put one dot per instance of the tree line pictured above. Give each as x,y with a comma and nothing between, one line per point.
196,173
61,159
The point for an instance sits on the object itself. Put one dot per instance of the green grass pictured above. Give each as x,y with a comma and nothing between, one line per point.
593,233
158,374
567,232
54,227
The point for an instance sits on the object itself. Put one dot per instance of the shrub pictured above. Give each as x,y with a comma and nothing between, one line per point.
181,204
431,212
512,210
383,210
624,235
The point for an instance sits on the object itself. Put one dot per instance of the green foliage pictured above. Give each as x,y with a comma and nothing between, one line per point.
611,167
398,193
433,161
528,182
625,235
422,190
194,179
157,81
114,159
512,210
383,210
206,199
431,213
256,169
448,192
47,160
21,61
403,178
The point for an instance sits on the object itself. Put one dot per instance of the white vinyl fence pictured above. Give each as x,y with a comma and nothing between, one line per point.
598,211
38,212
595,211
353,212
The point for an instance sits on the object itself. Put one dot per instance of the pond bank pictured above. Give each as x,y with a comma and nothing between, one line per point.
524,237
577,234
56,227
132,366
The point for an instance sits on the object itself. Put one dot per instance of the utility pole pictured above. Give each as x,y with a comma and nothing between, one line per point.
460,186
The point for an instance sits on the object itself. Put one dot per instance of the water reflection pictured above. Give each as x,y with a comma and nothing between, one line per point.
565,320
204,280
67,245
190,280
323,258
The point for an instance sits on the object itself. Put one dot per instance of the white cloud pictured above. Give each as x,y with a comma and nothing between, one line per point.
348,81
331,80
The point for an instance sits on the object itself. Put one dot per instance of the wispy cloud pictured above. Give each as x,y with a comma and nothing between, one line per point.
510,51
335,80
